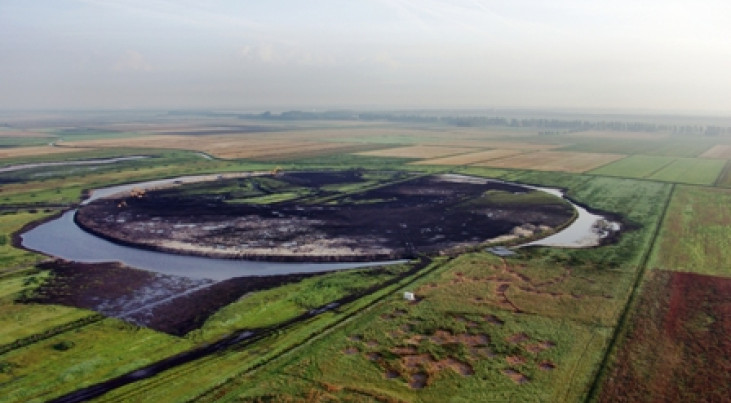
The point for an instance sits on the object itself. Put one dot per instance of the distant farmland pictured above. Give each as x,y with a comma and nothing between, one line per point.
554,161
670,169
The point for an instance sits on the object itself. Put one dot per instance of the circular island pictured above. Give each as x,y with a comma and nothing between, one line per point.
325,216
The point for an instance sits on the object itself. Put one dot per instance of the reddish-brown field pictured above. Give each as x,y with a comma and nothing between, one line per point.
678,347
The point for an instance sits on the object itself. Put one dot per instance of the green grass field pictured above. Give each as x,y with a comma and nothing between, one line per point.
694,171
635,166
463,345
696,232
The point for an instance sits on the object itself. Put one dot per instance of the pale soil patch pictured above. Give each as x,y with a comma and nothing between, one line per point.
403,350
390,374
417,360
518,338
538,347
472,158
418,151
516,376
721,151
418,381
515,360
494,320
457,366
351,350
564,161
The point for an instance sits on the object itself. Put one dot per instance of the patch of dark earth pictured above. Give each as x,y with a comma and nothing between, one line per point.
171,304
426,214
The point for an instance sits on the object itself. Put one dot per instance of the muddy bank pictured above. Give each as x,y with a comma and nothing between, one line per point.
399,220
170,304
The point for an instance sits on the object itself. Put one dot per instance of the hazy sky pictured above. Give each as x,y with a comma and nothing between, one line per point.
648,54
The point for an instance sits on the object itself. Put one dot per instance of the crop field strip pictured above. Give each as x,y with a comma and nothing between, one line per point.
697,171
417,151
690,170
724,178
554,161
720,151
624,143
696,234
471,158
228,146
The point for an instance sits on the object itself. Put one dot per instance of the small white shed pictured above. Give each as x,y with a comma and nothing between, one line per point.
409,296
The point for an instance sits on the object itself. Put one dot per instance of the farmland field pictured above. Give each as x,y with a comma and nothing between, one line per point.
635,166
658,144
690,170
696,171
226,146
724,178
554,161
548,324
471,158
696,232
721,151
419,151
19,152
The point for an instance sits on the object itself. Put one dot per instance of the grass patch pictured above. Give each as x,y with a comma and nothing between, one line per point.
695,171
696,233
635,166
462,347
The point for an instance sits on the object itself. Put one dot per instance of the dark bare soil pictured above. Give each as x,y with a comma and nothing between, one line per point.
170,304
678,349
421,215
